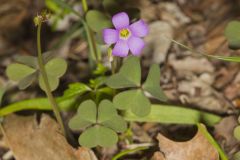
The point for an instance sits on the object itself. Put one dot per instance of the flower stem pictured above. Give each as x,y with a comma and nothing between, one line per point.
90,35
85,6
45,79
125,152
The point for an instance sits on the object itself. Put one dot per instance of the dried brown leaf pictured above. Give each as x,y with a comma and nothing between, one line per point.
32,141
198,148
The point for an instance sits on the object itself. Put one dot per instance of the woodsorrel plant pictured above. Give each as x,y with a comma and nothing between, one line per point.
107,103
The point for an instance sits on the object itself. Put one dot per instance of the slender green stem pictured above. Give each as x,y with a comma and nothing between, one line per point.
125,152
204,131
85,6
47,90
91,42
90,35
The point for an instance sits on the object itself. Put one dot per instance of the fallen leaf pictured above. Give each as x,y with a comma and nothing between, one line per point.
32,141
198,148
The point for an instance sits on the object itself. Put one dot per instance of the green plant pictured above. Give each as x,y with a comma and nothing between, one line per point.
106,103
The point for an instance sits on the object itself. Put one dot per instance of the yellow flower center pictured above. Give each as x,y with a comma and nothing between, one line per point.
124,33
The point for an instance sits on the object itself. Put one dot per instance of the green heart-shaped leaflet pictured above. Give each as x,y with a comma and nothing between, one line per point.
55,68
134,100
236,132
86,116
21,73
151,84
128,76
232,32
98,135
97,21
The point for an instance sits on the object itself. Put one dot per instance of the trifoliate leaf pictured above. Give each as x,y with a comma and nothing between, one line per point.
17,72
134,100
152,86
98,135
232,33
76,89
128,76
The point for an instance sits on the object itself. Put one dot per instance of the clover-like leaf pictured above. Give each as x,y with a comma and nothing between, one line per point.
55,68
232,32
17,72
101,125
76,89
97,21
134,100
128,76
86,116
151,84
98,135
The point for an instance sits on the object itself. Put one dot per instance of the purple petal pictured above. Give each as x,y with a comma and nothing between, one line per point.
135,45
120,49
110,36
120,20
139,28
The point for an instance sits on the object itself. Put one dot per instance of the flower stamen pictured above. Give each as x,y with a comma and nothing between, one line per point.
124,33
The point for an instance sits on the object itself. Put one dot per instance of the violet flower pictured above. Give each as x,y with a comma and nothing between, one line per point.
125,37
